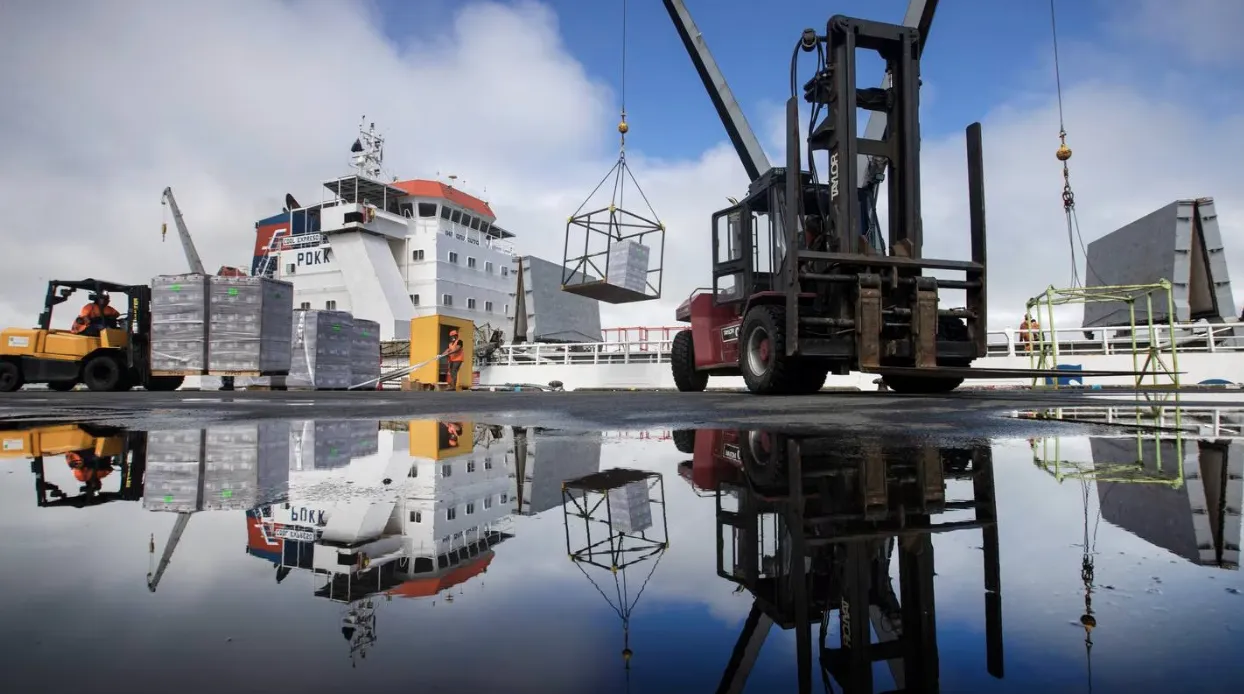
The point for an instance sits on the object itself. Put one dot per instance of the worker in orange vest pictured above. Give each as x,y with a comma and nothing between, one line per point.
95,316
456,355
89,469
1028,331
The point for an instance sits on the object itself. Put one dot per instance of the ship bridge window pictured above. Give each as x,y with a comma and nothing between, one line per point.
475,222
427,209
444,212
484,227
391,206
455,217
406,209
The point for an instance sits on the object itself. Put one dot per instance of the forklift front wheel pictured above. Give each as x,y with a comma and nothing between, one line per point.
102,373
766,368
682,363
10,377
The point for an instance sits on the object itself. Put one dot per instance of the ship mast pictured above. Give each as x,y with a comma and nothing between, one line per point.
367,152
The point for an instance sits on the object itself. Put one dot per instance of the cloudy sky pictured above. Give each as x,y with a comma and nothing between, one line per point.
236,102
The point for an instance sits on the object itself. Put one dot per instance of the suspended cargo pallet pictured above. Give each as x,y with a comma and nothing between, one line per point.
609,249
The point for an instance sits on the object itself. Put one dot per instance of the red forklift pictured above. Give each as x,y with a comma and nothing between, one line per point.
804,282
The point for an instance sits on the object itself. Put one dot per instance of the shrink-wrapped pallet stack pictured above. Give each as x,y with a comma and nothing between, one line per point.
364,437
322,350
250,325
232,467
365,353
628,265
323,444
179,319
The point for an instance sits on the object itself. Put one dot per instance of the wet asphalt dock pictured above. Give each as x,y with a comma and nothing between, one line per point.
959,414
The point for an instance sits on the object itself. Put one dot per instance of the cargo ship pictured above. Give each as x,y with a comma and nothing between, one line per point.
390,250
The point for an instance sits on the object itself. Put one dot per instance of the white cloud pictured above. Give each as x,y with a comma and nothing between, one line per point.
235,103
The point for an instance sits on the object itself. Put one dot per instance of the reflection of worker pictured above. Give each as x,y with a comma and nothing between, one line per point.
456,355
89,469
95,316
453,431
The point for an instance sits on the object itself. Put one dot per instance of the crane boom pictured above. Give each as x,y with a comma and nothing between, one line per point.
740,132
187,244
179,526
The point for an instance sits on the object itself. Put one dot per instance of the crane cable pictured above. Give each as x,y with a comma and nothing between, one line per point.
1063,154
623,128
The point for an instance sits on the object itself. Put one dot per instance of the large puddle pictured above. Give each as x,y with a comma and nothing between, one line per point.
438,556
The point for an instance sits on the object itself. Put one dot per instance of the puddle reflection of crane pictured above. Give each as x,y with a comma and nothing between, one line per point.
815,525
617,503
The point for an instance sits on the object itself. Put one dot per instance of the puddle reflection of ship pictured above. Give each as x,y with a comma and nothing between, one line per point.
418,518
810,526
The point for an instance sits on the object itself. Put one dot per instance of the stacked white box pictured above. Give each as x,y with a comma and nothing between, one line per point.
629,507
234,467
628,265
179,319
172,479
364,437
365,352
322,344
320,444
250,325
247,465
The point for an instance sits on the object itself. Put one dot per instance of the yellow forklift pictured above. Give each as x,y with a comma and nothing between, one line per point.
94,453
115,357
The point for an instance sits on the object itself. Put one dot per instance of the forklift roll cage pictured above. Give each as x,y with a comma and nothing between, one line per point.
136,317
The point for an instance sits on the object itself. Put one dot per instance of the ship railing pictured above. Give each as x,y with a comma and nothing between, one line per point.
1188,337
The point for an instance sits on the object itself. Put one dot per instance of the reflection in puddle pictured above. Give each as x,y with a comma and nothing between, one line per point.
423,544
812,527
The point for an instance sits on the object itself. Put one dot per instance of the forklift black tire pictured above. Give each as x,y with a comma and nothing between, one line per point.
10,377
684,440
682,364
102,373
766,369
916,385
62,386
163,384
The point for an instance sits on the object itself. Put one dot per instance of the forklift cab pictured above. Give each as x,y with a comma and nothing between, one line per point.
750,237
93,453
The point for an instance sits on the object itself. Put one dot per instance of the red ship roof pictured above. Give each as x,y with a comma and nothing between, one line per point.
435,189
426,587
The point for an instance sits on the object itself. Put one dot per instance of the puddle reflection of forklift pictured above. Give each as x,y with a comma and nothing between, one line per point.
96,456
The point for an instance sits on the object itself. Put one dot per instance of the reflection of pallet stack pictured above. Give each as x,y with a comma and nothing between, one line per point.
364,437
320,444
629,508
235,467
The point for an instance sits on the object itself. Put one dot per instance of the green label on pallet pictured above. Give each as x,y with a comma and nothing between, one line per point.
336,328
168,498
176,287
233,291
366,333
226,494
